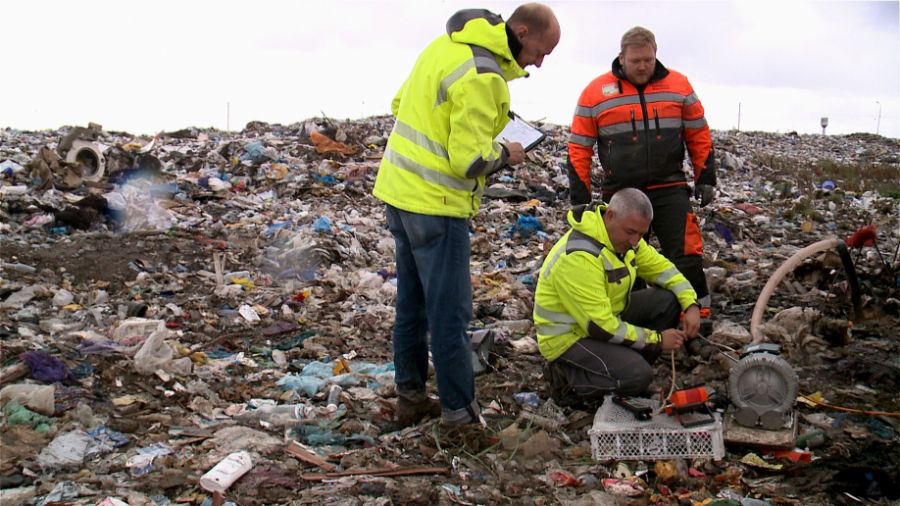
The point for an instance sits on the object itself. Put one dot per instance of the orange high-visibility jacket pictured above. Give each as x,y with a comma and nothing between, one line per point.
640,134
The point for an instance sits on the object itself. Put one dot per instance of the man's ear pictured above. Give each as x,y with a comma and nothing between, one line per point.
521,31
621,59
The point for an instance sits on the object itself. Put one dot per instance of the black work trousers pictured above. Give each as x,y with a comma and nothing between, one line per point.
590,369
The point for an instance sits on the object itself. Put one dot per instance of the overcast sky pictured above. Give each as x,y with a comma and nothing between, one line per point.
149,66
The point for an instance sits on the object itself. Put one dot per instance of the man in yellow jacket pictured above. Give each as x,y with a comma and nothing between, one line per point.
448,112
599,336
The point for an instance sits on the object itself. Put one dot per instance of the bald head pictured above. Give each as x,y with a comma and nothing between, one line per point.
536,28
535,16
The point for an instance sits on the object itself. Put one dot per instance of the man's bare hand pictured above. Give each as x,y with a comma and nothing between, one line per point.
516,153
672,339
691,323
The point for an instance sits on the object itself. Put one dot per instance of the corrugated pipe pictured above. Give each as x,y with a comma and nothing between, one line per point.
762,302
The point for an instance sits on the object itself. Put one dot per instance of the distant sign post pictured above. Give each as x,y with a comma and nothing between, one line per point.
824,124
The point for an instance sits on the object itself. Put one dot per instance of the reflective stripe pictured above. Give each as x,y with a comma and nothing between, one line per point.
482,61
641,338
579,241
582,140
621,333
664,97
616,275
419,139
695,123
681,287
486,64
480,166
583,111
615,102
546,271
665,276
627,127
428,174
619,128
553,329
595,110
451,78
580,244
552,316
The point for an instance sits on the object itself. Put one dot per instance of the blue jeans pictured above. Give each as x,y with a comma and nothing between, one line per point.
434,294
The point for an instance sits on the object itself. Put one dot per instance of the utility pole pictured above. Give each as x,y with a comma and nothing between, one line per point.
739,117
878,122
227,116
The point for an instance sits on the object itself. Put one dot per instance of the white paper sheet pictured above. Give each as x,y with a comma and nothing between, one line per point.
519,130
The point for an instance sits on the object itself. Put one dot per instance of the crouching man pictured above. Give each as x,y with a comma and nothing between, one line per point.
598,336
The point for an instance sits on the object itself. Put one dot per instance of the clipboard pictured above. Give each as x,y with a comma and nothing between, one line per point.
521,131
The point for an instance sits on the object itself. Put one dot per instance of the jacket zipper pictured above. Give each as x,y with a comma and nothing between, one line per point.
646,129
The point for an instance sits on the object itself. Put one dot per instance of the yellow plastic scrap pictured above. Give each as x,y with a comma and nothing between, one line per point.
199,358
181,349
72,307
340,366
666,470
246,283
278,171
812,400
752,459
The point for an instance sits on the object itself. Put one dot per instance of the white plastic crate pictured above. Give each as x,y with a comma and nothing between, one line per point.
617,435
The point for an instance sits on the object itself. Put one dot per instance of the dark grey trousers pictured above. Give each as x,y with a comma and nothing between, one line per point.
591,369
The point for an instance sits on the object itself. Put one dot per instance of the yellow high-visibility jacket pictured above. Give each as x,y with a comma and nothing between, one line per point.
448,112
584,285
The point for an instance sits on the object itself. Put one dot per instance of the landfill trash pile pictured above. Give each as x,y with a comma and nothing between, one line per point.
204,317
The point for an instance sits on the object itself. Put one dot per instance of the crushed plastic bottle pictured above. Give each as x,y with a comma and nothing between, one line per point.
529,399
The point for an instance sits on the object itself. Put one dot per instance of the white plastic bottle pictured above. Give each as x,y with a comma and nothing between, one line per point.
226,472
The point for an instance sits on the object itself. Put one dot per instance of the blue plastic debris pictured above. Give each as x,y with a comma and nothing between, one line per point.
724,232
525,226
315,375
323,225
327,179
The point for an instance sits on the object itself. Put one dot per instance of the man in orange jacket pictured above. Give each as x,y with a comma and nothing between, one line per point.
641,115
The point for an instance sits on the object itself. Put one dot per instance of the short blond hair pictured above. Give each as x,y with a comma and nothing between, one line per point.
638,36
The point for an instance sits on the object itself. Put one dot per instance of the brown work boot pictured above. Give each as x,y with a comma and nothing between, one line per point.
412,409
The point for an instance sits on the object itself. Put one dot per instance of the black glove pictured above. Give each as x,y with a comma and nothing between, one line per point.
705,193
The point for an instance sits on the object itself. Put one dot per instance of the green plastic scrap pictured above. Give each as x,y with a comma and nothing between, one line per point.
16,414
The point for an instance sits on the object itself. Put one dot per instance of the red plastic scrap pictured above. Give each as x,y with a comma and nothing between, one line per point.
865,236
564,478
795,455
